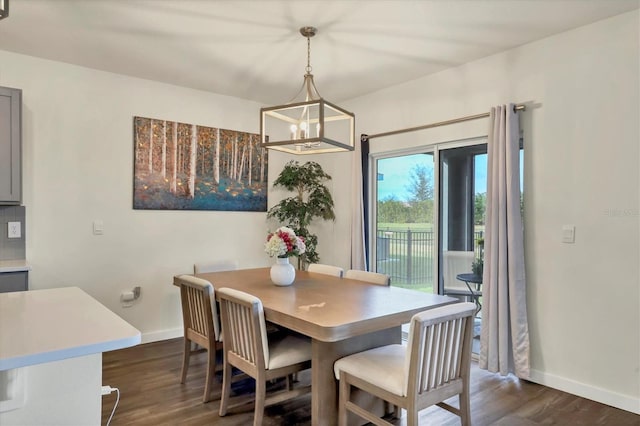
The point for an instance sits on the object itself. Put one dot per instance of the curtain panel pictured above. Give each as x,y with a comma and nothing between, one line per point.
504,338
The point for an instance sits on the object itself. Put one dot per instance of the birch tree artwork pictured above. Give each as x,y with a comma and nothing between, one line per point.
179,166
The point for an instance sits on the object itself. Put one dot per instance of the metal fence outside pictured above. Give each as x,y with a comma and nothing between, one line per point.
408,255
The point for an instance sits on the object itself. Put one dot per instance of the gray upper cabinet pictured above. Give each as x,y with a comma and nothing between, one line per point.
10,146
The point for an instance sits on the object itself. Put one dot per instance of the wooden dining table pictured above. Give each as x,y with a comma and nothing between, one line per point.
341,316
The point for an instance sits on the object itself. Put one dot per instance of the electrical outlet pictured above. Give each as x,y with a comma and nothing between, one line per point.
14,230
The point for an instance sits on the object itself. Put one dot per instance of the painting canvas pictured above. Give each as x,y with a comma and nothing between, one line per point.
179,166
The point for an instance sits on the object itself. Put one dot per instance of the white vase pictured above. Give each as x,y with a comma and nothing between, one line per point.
283,273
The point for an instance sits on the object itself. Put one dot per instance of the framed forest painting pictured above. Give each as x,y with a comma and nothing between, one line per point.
179,166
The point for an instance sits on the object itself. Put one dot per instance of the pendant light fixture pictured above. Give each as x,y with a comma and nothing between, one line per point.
4,8
307,124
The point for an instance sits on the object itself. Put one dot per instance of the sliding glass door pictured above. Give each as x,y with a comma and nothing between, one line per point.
428,217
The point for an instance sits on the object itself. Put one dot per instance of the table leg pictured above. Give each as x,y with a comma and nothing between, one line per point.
324,395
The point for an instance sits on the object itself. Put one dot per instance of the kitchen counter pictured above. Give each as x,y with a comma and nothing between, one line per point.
51,344
14,266
49,325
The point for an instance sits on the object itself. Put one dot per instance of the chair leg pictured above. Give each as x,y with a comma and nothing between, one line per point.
289,381
465,406
211,371
344,397
261,391
412,413
412,417
226,388
186,353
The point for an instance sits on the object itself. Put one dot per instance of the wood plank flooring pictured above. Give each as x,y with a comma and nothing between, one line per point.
148,377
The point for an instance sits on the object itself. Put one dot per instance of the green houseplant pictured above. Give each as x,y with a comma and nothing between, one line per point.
311,200
477,267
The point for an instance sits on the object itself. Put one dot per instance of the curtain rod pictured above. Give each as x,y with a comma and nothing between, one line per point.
440,123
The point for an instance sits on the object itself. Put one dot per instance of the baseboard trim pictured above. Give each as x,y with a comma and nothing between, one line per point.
156,336
623,402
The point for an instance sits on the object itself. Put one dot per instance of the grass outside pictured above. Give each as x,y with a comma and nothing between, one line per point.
421,226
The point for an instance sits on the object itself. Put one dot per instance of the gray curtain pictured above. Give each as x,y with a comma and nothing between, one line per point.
504,338
358,257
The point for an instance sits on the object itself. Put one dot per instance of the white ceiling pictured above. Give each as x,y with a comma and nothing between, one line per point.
252,49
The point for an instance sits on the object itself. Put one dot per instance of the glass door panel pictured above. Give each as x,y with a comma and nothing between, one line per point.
463,188
405,245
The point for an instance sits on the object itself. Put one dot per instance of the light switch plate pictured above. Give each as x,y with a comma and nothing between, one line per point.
14,230
98,227
569,234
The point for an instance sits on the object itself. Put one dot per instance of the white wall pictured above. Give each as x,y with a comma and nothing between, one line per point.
78,167
582,153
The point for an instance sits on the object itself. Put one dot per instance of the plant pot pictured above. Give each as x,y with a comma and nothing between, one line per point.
282,273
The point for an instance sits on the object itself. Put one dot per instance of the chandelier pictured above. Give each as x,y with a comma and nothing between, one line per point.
307,124
4,8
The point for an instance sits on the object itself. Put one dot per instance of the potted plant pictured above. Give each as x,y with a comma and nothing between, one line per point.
477,267
311,200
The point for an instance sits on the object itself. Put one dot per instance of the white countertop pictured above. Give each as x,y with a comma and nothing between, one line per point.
49,325
14,266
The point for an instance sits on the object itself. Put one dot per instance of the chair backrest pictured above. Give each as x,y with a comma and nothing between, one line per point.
244,327
319,268
199,309
215,266
454,263
439,347
371,277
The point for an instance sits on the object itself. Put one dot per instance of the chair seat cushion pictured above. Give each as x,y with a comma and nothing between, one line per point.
288,350
383,367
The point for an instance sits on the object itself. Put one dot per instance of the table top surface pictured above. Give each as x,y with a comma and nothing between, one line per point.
49,325
470,278
329,308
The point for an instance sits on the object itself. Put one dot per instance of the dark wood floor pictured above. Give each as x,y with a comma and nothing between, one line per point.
148,377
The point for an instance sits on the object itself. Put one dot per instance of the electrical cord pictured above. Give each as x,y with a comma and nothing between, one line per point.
106,390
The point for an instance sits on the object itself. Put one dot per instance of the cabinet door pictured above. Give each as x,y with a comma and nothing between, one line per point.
14,281
10,146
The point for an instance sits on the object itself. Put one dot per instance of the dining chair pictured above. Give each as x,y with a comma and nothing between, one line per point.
247,348
215,266
370,277
201,326
319,268
432,367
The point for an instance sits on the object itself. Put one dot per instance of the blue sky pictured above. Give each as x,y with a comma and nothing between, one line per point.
396,173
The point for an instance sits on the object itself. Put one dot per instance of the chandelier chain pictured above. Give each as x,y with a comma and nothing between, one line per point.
308,69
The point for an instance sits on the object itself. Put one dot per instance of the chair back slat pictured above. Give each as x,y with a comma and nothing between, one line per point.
319,268
244,327
370,277
199,312
437,340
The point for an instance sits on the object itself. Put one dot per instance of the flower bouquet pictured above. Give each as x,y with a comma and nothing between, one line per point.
282,244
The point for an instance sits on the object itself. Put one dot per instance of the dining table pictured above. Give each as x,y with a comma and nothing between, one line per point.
341,316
